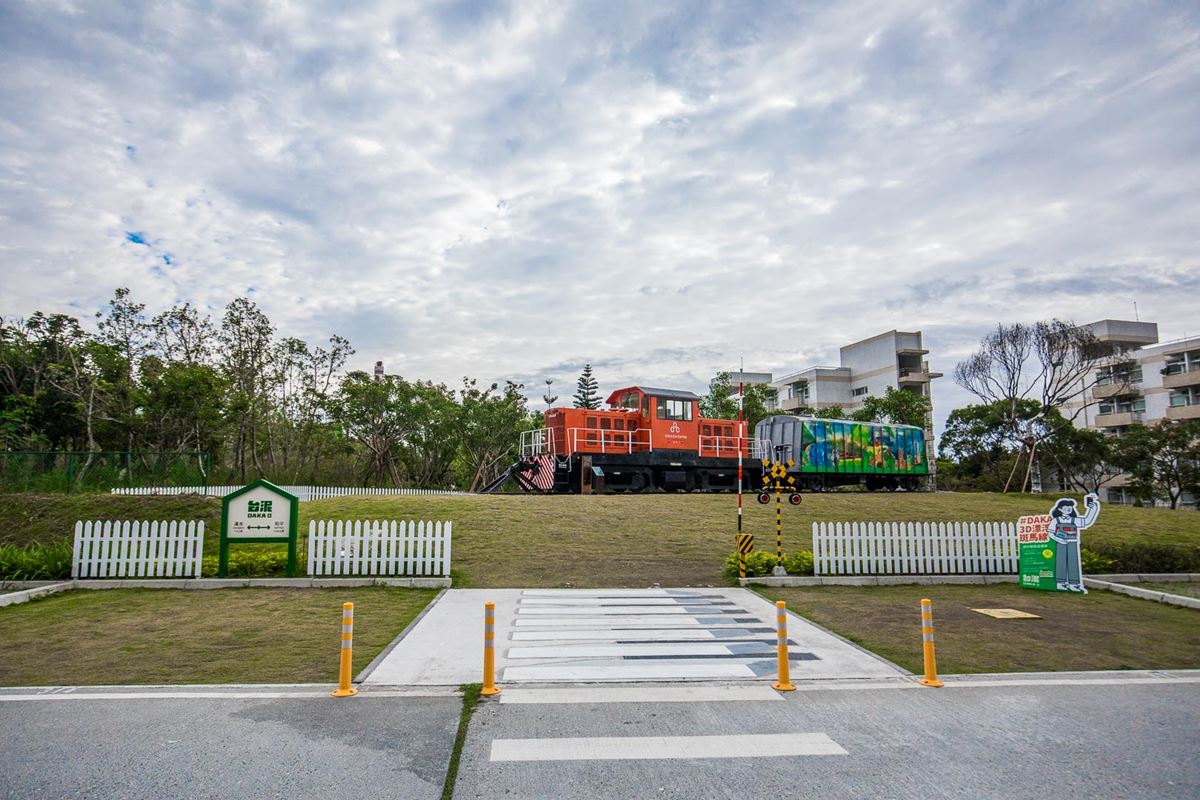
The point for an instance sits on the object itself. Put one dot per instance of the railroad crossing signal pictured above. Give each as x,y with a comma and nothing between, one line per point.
776,478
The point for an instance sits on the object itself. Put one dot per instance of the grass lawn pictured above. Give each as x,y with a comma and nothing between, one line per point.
611,540
150,636
1102,630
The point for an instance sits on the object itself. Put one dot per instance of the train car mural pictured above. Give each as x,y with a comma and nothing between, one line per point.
839,452
650,438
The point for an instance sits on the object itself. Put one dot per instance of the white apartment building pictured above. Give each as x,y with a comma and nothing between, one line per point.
866,368
1142,382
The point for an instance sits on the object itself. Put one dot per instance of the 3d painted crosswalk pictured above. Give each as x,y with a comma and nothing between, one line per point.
629,635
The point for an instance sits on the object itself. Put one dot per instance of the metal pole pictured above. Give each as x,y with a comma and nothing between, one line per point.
778,525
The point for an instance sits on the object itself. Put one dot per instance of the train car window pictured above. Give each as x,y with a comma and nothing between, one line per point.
591,422
628,400
645,405
674,409
605,423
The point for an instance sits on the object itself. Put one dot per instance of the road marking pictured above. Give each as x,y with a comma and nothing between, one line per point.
642,694
628,671
640,634
16,698
642,621
591,602
657,649
666,747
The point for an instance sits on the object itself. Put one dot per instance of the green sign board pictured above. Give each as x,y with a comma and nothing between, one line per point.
1049,544
258,512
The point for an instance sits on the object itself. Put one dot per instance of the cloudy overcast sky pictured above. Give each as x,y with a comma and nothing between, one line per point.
510,190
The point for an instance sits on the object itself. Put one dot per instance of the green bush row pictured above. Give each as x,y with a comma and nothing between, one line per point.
250,564
1135,557
762,563
35,562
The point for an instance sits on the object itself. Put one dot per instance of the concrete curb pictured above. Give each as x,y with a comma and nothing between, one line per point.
1143,594
875,580
235,583
25,595
1150,577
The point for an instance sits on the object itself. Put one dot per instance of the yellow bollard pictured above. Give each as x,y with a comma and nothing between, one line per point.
489,650
931,678
784,684
344,688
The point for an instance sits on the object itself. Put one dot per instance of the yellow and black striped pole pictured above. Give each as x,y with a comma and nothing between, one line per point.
489,650
931,678
784,684
745,544
344,688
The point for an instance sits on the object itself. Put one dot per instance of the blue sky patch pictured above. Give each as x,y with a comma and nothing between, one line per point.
137,237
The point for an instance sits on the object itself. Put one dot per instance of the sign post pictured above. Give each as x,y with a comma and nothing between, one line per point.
258,512
1050,557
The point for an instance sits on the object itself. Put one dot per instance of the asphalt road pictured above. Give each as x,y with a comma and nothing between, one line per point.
1023,741
227,747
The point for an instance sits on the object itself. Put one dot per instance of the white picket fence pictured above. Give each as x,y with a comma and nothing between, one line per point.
914,548
303,492
137,549
379,547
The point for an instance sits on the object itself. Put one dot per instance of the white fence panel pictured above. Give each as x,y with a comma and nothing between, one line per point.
304,493
379,547
914,548
137,549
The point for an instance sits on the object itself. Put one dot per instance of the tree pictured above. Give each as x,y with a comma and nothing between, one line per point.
547,398
1163,461
372,412
490,430
897,407
721,402
587,390
1048,363
246,356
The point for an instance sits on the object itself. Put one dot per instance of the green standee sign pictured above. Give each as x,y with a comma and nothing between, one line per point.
259,512
1049,557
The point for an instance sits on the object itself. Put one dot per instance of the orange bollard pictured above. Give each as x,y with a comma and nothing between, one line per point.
931,678
784,684
344,688
489,650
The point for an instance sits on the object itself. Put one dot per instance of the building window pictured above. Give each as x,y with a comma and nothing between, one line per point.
1185,397
1119,374
859,392
674,409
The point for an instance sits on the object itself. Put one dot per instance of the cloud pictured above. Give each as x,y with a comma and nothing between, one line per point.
510,190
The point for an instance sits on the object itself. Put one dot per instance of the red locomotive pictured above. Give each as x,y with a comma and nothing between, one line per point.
647,439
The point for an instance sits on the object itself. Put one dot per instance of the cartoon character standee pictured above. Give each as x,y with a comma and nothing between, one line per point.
1065,525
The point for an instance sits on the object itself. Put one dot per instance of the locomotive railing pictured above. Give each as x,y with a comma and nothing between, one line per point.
610,441
537,442
727,447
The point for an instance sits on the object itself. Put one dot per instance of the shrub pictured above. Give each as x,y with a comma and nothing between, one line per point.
250,564
1133,557
760,563
35,562
1094,563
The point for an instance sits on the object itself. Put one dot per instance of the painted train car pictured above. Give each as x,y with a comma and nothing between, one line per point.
839,452
652,438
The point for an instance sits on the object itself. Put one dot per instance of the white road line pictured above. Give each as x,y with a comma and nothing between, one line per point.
642,694
666,747
967,684
649,620
590,602
624,671
607,635
17,698
660,649
592,611
615,593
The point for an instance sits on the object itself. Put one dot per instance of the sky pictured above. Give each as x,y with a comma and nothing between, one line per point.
663,190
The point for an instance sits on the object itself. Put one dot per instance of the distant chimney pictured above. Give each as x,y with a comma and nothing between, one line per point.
378,370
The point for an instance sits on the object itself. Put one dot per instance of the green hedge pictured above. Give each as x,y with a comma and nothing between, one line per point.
1144,557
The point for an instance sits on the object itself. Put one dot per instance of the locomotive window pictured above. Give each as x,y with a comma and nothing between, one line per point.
628,400
605,423
591,422
674,409
645,405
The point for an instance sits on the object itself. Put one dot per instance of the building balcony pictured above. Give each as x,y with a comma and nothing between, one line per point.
1119,419
1178,380
1183,412
1107,390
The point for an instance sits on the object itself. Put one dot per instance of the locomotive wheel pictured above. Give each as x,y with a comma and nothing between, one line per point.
764,498
794,498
